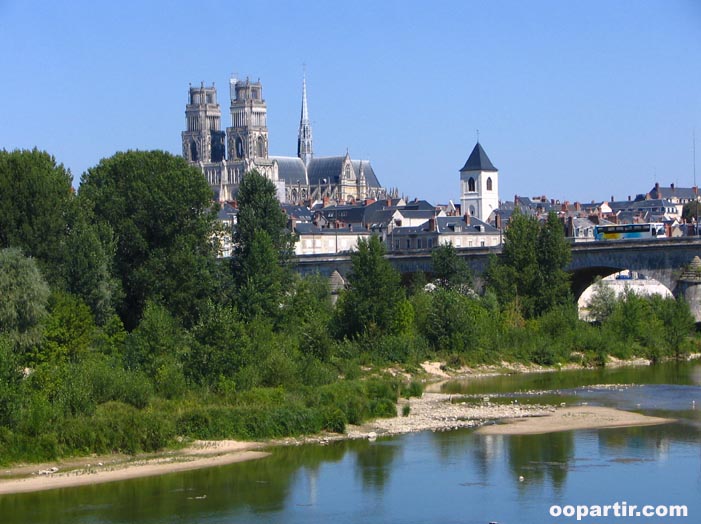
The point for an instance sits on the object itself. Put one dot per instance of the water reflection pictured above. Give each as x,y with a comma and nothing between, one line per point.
374,462
444,477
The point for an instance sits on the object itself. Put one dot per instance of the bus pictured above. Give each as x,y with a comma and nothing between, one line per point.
630,231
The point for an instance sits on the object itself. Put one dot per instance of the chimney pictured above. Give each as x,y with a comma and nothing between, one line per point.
515,199
388,202
612,200
569,232
291,224
369,201
629,198
432,224
497,220
577,206
467,219
657,189
672,186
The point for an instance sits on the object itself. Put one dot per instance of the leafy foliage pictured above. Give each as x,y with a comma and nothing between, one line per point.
531,268
23,299
449,269
35,201
371,302
160,211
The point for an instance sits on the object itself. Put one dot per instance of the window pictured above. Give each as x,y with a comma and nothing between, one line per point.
261,147
489,184
471,185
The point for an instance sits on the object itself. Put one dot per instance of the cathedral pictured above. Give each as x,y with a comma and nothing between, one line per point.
225,157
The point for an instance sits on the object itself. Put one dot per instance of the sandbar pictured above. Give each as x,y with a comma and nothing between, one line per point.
201,454
572,418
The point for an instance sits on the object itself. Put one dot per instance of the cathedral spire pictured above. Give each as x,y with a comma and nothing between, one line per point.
304,139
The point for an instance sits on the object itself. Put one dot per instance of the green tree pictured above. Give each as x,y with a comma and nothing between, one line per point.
221,345
531,269
158,341
160,210
450,270
35,197
23,299
691,211
86,266
10,382
263,248
371,302
69,330
553,255
259,210
677,320
602,302
515,273
260,279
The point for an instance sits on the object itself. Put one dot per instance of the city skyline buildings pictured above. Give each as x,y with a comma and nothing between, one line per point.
578,101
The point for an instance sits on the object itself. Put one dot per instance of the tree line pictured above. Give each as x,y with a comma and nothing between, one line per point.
121,329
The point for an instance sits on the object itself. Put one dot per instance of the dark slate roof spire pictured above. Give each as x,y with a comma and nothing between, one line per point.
478,161
304,138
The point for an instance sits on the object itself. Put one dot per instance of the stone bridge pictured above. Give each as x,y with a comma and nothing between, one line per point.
662,259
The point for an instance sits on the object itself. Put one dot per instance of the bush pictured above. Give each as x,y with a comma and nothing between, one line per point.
333,420
413,389
383,408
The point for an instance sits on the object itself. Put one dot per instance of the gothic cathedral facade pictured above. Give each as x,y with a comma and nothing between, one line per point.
225,157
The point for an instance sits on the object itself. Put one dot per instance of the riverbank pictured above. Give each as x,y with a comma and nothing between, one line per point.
94,470
433,411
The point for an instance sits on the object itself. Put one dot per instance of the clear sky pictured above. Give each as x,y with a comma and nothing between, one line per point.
577,100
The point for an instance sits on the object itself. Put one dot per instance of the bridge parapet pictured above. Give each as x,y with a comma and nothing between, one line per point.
661,259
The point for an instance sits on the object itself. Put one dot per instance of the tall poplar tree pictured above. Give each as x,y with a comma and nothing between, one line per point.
531,269
373,299
262,248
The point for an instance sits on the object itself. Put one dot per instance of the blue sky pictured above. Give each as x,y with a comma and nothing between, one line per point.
577,100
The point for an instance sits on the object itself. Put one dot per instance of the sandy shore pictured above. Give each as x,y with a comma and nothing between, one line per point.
201,454
571,418
433,411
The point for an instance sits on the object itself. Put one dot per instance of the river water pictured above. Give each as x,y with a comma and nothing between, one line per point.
442,477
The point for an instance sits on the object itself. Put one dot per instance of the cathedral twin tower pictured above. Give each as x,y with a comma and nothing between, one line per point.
225,157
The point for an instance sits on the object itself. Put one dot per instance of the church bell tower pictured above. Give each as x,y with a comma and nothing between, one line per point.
479,185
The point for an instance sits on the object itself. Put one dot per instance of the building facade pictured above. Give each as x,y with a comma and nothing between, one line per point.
225,157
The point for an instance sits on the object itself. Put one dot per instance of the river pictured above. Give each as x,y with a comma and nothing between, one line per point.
441,477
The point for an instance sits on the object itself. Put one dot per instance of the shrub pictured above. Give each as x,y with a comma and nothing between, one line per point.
413,389
334,420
